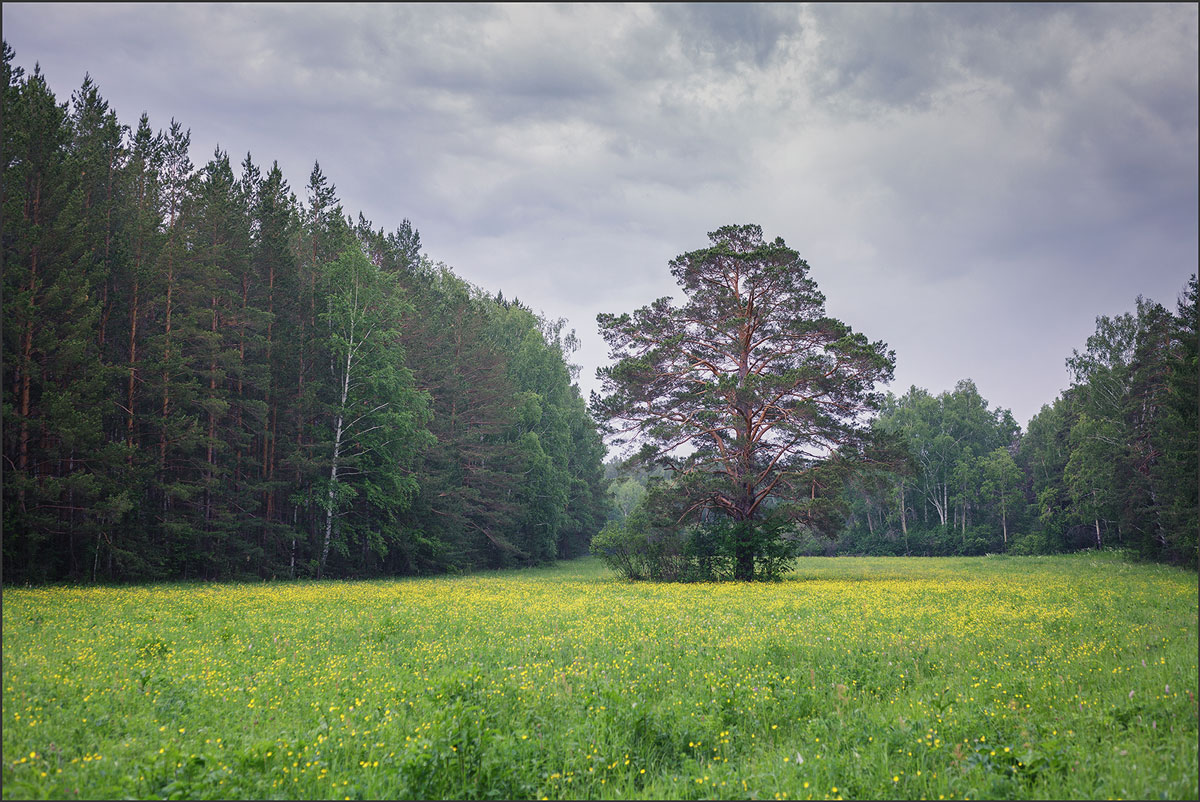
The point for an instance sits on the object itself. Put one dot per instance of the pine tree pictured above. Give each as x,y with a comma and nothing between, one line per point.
217,254
1177,468
465,513
54,381
751,374
274,266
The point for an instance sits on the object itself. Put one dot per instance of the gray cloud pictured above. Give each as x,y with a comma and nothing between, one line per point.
971,183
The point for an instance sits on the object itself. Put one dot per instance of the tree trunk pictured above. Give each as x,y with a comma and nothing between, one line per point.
130,394
333,473
108,207
1004,522
939,507
743,551
96,562
26,370
210,468
268,494
271,460
337,450
26,386
237,470
166,373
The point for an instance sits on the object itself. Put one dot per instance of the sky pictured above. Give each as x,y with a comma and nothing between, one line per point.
971,184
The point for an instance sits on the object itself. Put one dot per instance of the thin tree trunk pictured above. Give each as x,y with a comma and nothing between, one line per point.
333,468
71,517
939,507
268,495
212,421
237,470
1004,522
271,461
105,309
26,368
166,372
26,387
130,394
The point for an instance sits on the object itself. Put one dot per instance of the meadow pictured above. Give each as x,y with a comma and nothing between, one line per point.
995,677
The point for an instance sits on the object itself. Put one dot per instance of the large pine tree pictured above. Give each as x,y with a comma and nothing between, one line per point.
750,374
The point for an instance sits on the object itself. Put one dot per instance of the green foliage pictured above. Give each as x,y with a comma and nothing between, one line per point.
1111,463
654,540
661,540
743,390
948,483
205,377
1130,432
626,494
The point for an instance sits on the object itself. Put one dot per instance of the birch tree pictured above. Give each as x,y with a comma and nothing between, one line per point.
376,418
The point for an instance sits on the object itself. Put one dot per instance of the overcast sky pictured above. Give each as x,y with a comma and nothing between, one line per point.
972,184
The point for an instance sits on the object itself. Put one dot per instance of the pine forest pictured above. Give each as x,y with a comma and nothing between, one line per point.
212,373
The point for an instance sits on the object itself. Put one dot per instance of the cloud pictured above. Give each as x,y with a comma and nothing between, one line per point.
959,176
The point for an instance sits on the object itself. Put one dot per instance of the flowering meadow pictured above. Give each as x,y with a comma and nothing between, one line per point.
993,677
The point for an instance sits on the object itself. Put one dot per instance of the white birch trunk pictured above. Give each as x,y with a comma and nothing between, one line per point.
337,437
1004,521
337,450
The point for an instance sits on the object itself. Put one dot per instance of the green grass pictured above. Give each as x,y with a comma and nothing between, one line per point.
1050,677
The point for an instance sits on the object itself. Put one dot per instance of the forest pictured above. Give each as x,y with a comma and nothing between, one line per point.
210,375
794,452
206,377
1111,463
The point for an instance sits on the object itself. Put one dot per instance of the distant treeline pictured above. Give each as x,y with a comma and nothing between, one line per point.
207,378
1111,463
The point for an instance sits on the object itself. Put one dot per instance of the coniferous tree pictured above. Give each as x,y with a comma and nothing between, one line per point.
53,383
465,513
280,463
217,254
203,379
749,372
1176,470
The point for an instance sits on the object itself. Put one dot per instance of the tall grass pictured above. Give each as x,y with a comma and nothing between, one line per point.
1042,677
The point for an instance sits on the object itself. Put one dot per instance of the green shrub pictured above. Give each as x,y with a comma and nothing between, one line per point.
649,544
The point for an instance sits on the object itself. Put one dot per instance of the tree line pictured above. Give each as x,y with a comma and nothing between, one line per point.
1110,463
790,449
207,377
